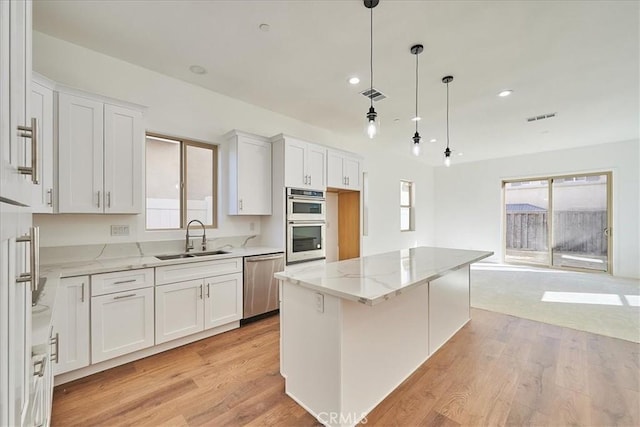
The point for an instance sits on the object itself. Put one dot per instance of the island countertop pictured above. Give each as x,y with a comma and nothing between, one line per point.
376,278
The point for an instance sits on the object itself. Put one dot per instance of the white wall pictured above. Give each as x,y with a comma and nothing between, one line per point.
182,109
468,197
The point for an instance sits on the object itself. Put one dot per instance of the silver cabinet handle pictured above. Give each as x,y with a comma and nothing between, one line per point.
50,197
120,282
309,179
38,367
33,238
98,198
31,132
348,182
82,293
208,291
55,341
201,291
108,199
241,206
124,296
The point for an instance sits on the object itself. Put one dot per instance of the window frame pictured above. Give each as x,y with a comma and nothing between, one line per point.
184,143
410,206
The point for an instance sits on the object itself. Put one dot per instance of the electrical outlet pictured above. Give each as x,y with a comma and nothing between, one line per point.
119,230
320,303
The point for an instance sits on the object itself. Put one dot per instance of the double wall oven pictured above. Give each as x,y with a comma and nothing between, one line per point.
305,225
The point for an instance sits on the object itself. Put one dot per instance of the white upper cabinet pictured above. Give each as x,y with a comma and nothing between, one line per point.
15,100
42,110
343,170
249,174
99,156
304,163
123,142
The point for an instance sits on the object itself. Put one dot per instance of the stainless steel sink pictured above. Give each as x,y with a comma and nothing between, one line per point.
173,256
190,255
209,253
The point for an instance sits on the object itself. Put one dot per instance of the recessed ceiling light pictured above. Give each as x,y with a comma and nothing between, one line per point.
416,119
264,27
354,80
506,92
460,154
432,140
197,69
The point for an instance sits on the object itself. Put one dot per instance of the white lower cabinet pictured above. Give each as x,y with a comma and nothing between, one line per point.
121,323
179,310
71,324
223,300
185,308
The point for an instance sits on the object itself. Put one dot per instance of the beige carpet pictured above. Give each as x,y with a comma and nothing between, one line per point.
592,302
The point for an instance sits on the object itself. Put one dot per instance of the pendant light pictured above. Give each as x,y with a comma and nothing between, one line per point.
447,151
416,50
373,124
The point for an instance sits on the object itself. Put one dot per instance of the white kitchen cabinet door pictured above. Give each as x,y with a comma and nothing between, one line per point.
15,99
343,170
123,142
121,323
80,155
351,168
179,310
295,173
42,110
316,166
249,175
335,175
71,324
223,300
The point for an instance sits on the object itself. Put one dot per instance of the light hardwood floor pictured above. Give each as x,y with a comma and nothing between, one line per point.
498,370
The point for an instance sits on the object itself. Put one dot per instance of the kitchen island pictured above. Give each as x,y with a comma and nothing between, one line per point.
352,331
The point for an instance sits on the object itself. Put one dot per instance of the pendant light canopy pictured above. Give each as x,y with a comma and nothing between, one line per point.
416,50
447,152
373,124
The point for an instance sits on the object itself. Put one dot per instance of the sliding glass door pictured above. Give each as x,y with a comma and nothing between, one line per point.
559,221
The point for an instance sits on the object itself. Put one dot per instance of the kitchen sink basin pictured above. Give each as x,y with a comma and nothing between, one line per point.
209,253
189,255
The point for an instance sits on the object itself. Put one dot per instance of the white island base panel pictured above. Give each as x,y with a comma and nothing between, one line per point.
341,358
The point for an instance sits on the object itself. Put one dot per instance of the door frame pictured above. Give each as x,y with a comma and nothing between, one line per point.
550,242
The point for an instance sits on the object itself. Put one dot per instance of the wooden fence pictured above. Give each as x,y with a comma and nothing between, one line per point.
575,231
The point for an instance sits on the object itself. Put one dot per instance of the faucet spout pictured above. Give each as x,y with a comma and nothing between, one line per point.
188,243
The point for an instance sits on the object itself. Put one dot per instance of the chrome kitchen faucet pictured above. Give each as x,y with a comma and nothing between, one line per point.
189,244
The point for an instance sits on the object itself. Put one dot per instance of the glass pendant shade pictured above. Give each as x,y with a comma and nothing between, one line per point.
373,125
447,157
416,144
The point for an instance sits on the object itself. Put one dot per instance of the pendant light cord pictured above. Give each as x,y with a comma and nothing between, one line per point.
416,118
371,59
447,115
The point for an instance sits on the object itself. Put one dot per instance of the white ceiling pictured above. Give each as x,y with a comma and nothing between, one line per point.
579,59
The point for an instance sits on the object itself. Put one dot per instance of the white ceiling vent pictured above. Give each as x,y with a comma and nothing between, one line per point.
374,94
541,117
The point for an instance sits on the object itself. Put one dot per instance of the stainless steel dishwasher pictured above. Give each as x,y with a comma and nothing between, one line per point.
260,287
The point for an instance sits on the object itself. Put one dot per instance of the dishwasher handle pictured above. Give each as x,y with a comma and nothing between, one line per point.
263,258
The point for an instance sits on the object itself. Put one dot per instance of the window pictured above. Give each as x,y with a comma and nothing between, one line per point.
406,206
180,182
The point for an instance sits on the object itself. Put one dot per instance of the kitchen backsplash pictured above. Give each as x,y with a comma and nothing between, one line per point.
62,254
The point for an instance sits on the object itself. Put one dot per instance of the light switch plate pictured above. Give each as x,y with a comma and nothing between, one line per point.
119,230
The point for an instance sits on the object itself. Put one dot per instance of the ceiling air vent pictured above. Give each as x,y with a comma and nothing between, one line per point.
541,117
373,94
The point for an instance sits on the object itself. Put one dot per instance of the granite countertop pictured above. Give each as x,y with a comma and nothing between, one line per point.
374,279
42,313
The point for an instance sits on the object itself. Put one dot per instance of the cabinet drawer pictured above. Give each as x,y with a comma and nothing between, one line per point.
119,281
197,270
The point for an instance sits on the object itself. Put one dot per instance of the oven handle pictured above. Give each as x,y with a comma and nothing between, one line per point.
307,222
305,198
